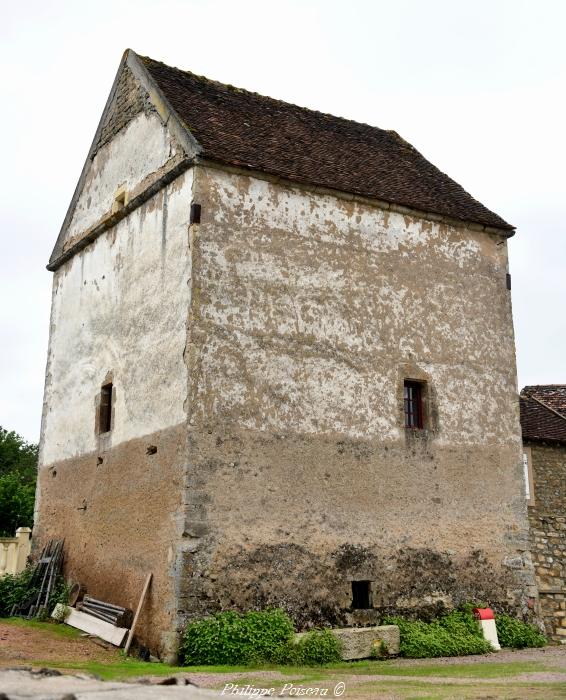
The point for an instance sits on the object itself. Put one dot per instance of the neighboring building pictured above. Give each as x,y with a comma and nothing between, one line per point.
543,422
281,368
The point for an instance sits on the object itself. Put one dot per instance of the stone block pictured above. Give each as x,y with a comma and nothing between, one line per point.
196,529
513,562
358,642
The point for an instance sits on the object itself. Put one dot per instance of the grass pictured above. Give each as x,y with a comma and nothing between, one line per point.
45,626
124,668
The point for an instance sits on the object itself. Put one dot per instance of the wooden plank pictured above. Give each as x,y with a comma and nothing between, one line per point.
90,624
135,622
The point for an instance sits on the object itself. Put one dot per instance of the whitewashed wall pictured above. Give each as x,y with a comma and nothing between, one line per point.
322,300
121,306
140,149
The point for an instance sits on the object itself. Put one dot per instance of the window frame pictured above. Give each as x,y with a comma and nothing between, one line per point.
529,484
105,408
413,406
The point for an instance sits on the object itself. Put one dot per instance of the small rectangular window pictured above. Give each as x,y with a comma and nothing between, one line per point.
194,217
105,416
120,199
413,405
361,595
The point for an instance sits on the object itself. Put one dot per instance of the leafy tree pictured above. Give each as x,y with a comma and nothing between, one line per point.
17,455
18,473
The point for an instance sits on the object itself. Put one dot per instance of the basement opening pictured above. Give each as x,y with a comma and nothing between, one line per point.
361,595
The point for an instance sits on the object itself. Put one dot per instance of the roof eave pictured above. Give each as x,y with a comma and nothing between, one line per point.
399,207
552,441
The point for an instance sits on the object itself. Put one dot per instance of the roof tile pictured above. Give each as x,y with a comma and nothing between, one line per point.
553,395
247,130
539,420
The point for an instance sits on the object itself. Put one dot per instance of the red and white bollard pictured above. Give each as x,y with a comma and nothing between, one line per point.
486,619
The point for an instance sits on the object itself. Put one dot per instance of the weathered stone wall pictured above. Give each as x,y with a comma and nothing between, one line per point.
549,477
307,313
116,510
547,518
120,309
129,100
119,313
139,150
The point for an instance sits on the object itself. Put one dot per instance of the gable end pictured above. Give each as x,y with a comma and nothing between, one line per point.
133,93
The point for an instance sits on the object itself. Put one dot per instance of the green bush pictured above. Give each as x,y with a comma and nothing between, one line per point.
313,649
231,638
455,634
516,634
60,593
13,590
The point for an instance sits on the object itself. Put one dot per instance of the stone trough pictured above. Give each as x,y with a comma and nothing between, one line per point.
365,642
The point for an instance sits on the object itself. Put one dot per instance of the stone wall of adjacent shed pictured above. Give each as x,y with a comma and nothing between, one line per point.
547,517
307,314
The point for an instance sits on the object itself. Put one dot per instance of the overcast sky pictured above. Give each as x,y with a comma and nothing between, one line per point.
477,86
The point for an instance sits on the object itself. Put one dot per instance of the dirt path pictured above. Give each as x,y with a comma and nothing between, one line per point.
20,645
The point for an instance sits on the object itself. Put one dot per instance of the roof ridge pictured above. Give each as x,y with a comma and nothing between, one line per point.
546,386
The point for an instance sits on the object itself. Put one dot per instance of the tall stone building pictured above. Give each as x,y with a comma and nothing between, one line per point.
281,368
543,422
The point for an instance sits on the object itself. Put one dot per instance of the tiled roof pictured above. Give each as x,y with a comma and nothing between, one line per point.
246,130
543,413
553,395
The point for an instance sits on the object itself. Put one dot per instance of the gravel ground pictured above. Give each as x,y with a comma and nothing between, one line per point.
552,655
